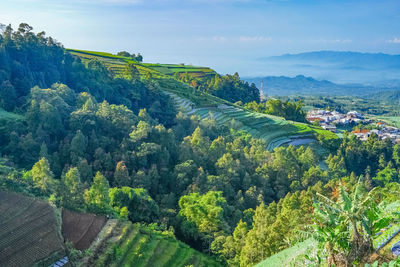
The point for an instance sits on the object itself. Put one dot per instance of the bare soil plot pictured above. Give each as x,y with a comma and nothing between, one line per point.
81,229
29,231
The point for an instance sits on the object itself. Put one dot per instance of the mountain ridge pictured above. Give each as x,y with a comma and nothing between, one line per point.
306,85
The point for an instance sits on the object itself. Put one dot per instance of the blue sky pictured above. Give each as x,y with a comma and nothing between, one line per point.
228,35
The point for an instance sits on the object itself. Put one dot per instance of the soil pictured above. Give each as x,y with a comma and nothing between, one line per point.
81,229
29,231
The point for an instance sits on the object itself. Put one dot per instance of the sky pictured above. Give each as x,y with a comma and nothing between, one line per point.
227,35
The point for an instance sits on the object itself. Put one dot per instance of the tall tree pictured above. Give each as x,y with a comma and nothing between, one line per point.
96,197
72,190
121,175
43,177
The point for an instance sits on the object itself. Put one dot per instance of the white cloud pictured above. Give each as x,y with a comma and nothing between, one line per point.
395,40
219,38
248,39
111,2
216,38
333,41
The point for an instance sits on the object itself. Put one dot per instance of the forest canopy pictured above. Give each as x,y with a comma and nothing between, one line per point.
89,141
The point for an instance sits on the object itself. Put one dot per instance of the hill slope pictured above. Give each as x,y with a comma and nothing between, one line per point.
29,231
124,243
301,85
117,63
274,130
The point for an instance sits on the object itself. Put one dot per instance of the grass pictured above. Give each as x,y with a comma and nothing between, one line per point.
138,245
293,256
390,120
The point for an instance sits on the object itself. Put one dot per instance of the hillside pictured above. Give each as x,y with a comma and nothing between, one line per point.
125,244
276,131
29,231
301,85
81,229
117,64
32,235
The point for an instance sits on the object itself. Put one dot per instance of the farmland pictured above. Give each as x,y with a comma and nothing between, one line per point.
29,231
276,131
124,243
392,120
117,64
81,228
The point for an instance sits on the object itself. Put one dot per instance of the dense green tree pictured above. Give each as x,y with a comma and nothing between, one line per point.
141,207
43,177
289,110
202,215
8,97
71,190
78,147
121,175
96,198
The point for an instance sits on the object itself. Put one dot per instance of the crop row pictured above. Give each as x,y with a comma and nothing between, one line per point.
386,236
139,245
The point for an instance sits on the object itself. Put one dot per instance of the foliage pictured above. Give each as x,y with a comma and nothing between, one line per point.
228,87
289,110
345,228
203,214
136,201
102,136
43,177
96,198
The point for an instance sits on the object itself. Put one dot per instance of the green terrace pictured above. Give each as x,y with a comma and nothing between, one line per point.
128,244
276,131
117,64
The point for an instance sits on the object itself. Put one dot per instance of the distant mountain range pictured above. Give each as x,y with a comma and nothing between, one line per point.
301,85
340,67
346,60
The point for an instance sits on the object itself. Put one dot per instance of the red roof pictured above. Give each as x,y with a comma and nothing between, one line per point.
361,131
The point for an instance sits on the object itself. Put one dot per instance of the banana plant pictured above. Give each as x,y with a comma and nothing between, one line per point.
345,228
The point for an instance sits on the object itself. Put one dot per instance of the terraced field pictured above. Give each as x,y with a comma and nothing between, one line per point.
118,63
29,231
127,244
274,130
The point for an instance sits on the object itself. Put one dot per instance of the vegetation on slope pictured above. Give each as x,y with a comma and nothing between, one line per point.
128,244
196,96
94,141
116,146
